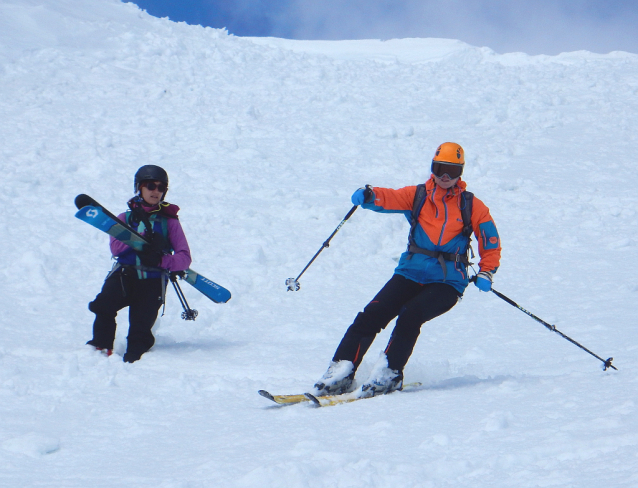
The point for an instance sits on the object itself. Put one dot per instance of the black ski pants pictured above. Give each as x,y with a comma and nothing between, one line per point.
144,299
412,303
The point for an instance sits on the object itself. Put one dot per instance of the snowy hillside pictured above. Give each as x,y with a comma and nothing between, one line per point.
264,141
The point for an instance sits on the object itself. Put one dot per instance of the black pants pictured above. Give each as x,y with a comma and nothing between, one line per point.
412,302
144,299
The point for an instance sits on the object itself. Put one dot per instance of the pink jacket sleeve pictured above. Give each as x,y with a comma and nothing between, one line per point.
181,258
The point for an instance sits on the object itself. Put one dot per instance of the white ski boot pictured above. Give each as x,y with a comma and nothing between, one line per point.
382,380
337,380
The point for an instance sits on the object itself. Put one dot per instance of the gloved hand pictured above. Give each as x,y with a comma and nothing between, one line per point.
176,274
363,195
150,257
152,253
484,281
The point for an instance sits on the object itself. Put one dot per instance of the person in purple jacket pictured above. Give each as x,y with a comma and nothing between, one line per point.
138,278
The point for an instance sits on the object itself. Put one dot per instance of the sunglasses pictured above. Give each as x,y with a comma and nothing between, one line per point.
152,186
452,170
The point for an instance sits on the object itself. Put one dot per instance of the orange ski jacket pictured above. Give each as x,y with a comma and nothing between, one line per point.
439,228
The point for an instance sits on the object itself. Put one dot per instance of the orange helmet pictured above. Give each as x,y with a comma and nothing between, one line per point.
449,152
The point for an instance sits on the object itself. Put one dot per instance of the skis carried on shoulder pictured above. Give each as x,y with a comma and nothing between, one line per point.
324,401
94,214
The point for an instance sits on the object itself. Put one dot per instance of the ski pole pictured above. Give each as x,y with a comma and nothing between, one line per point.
606,363
188,313
292,284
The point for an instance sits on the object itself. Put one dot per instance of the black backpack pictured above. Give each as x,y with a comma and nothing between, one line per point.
466,213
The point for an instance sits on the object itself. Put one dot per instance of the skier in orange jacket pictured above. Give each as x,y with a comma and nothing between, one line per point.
431,276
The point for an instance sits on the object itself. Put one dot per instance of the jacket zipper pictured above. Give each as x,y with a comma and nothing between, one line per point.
445,220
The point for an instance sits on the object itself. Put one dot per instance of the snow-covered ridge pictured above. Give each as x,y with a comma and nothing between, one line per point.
89,24
79,25
421,51
389,51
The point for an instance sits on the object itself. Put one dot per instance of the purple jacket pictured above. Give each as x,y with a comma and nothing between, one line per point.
179,260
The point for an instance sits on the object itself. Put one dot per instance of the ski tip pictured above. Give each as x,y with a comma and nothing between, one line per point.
313,399
83,200
218,298
265,394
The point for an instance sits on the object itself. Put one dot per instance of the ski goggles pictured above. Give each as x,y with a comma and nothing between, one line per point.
451,169
152,186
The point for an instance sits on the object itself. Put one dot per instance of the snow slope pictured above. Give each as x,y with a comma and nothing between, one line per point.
264,141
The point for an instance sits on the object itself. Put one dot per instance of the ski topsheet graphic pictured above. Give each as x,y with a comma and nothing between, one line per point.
99,217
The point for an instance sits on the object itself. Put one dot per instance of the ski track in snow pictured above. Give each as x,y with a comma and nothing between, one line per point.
264,141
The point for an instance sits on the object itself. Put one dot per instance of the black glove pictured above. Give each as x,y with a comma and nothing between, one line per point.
150,257
177,274
152,253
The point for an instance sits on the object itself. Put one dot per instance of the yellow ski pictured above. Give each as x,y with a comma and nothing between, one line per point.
329,401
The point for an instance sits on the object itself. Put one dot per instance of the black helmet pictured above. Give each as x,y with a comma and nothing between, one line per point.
152,173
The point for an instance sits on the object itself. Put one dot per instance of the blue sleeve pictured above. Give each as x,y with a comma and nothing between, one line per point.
489,235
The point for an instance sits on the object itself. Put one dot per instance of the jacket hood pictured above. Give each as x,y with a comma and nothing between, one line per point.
164,208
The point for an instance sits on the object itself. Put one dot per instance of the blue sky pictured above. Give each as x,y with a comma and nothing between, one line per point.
530,26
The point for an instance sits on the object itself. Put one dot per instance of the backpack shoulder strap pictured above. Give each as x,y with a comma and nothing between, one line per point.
466,212
419,199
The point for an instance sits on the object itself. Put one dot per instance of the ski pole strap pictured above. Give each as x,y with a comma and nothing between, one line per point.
440,256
